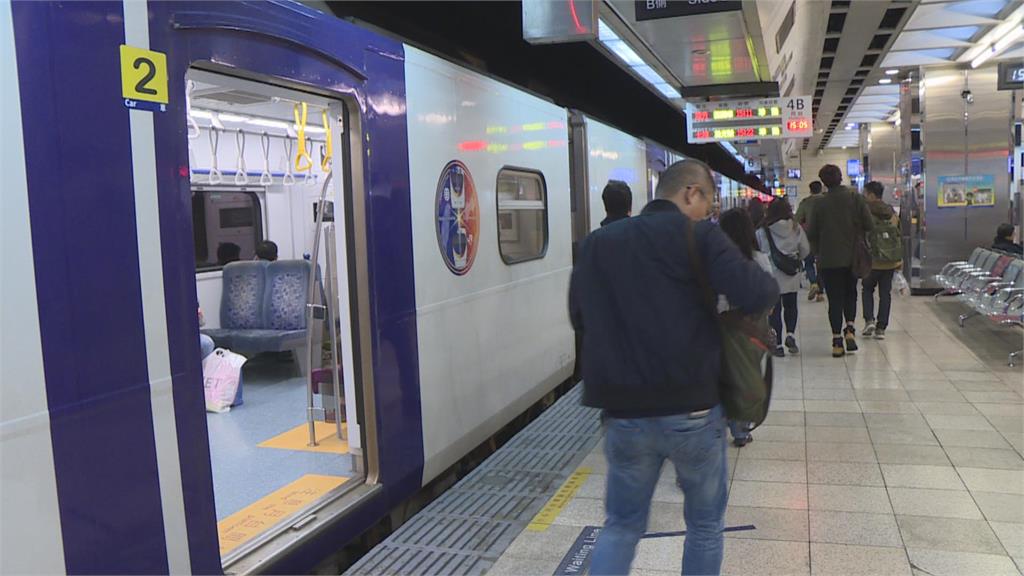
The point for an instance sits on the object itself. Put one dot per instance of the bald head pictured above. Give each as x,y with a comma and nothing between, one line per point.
685,173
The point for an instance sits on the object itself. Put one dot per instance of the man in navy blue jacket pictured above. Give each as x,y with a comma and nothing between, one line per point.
651,357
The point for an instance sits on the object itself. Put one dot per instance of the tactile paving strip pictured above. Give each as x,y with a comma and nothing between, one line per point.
468,528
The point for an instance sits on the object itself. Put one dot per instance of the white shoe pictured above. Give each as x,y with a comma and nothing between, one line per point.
869,329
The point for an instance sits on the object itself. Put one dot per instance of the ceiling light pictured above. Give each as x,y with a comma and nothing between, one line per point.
232,117
892,72
885,80
998,46
1010,38
268,123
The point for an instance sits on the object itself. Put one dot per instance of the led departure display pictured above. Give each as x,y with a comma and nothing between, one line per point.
752,119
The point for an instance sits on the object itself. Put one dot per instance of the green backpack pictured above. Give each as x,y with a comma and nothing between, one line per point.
886,244
745,380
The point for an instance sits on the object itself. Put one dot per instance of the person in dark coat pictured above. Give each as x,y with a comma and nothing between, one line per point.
651,360
618,201
1004,240
835,223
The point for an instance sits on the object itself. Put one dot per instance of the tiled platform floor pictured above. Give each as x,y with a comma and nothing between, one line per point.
904,458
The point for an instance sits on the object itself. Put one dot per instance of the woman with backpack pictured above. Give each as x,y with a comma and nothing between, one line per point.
786,245
739,228
886,258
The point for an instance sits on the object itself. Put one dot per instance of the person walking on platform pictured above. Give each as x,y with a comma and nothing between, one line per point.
618,201
886,258
785,243
837,221
651,361
803,213
756,210
737,226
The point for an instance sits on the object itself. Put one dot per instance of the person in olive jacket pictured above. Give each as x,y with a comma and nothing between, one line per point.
836,222
803,215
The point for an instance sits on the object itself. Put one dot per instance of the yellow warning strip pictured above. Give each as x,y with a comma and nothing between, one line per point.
298,439
264,513
559,501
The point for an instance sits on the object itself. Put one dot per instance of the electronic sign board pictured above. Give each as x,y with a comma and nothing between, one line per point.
656,9
1011,76
750,119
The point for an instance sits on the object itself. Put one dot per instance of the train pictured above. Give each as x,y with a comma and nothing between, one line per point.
137,136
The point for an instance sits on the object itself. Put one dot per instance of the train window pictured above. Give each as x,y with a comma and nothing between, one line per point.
226,225
522,215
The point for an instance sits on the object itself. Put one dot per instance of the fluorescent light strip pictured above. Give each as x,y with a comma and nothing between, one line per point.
634,61
217,119
993,36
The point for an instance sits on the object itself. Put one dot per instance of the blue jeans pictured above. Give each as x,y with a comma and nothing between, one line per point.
635,449
205,345
811,269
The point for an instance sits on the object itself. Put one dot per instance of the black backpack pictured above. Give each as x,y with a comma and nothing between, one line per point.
788,265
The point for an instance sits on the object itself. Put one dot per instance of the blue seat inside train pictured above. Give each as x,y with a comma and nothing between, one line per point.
263,306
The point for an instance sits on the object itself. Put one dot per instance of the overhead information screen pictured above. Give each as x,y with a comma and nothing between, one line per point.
751,119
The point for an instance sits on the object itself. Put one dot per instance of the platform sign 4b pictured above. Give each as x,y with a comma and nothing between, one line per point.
796,117
143,79
749,119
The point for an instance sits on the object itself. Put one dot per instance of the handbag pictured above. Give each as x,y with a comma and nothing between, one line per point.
222,371
861,265
745,378
788,265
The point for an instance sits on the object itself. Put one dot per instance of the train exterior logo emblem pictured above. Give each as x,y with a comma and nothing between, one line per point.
458,217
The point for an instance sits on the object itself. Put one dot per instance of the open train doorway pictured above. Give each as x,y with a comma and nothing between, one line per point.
270,196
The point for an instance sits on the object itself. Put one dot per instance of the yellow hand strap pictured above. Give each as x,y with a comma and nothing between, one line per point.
303,163
325,163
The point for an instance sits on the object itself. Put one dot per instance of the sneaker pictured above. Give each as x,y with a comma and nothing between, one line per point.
820,298
813,292
791,345
879,333
869,328
848,334
779,352
741,442
837,348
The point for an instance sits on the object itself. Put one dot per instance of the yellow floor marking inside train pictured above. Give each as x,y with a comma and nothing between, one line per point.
562,497
298,439
264,513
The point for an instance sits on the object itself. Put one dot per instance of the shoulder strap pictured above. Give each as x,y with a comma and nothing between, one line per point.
771,241
698,268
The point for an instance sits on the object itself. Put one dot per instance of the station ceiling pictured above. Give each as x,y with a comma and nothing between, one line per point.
487,36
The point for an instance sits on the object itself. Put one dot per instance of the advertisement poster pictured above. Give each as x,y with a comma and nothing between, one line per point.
967,191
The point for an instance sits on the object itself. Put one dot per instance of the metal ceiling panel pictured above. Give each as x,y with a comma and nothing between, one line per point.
950,14
913,58
698,50
882,90
924,39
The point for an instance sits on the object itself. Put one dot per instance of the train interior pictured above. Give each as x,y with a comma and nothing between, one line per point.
260,158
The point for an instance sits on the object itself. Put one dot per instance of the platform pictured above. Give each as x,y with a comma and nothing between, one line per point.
903,458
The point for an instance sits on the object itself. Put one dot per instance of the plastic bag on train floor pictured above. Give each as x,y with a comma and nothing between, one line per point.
900,287
222,372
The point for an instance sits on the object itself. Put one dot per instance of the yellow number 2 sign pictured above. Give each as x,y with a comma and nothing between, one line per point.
143,78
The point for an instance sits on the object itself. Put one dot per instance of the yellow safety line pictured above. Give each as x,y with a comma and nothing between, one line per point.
271,509
559,501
